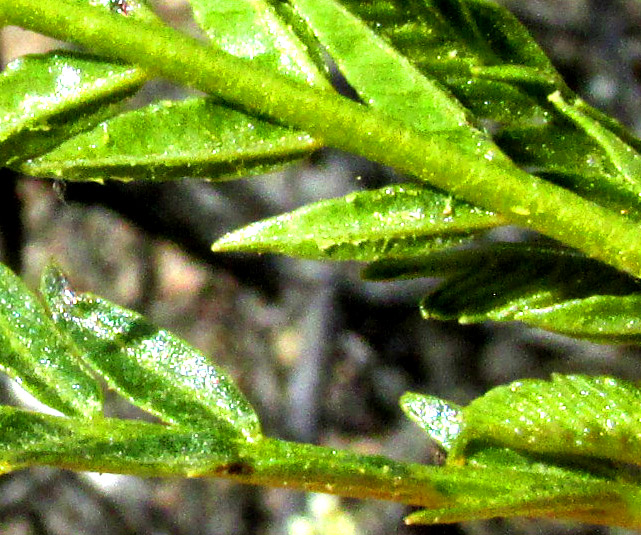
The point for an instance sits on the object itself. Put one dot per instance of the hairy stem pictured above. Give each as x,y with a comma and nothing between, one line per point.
522,198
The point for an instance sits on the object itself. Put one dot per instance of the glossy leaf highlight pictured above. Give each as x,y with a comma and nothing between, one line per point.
152,368
442,421
195,137
43,361
392,222
47,98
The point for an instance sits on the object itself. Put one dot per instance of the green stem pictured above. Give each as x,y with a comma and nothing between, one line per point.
146,449
522,198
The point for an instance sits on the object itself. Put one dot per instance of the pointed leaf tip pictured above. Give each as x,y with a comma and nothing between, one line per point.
441,420
393,222
151,367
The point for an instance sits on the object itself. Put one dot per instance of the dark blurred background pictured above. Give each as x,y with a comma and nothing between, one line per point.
323,356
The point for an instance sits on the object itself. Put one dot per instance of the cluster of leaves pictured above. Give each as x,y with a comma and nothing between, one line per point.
461,71
563,446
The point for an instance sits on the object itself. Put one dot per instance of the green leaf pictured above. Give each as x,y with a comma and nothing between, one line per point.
471,48
47,98
110,445
195,137
396,221
42,360
554,289
441,420
595,417
383,78
485,479
149,366
487,60
622,156
257,30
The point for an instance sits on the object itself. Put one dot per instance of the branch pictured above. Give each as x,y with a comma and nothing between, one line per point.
479,176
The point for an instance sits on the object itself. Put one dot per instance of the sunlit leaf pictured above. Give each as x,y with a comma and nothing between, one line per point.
483,478
149,366
383,78
257,30
111,445
477,50
392,222
42,360
441,420
47,98
195,137
572,415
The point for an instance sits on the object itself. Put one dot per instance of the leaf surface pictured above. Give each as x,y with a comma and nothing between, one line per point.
194,137
149,366
551,288
257,30
571,415
392,222
111,445
41,359
47,98
441,420
383,78
483,478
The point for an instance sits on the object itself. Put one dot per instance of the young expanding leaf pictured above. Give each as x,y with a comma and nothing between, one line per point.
195,137
42,360
255,29
151,367
570,416
47,98
110,445
392,222
544,287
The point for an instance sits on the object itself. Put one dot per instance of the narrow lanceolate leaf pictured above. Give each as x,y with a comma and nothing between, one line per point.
149,366
550,288
45,99
477,50
42,360
383,78
392,222
195,137
441,420
110,445
595,417
254,29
